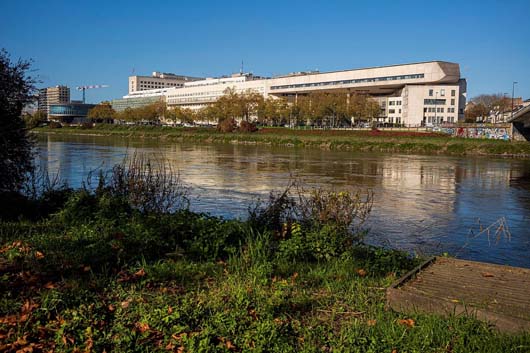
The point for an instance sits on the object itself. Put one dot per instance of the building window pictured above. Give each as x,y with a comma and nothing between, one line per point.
391,111
442,92
453,93
431,92
452,101
434,101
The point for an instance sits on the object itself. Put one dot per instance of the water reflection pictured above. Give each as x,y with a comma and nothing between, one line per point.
421,203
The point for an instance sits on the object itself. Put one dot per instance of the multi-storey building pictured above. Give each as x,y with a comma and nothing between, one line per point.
428,93
158,80
53,95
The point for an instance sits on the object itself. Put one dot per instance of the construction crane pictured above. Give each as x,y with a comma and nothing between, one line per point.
84,88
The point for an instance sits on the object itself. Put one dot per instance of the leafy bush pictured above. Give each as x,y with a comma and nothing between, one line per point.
87,125
55,125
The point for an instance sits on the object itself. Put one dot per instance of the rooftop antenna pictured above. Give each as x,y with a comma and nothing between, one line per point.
241,70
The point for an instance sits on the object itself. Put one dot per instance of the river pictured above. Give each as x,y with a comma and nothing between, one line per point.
423,204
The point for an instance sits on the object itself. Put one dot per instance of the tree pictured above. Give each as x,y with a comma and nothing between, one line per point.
102,112
35,119
485,106
149,113
16,87
180,115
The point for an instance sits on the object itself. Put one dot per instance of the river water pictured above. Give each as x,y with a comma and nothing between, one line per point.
423,204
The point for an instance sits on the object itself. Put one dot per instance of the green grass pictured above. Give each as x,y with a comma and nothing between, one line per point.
328,139
97,275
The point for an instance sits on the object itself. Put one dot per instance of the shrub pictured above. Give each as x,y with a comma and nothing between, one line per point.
227,125
312,224
55,125
245,126
147,185
87,125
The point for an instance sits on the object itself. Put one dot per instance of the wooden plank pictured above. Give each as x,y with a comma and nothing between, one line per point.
494,293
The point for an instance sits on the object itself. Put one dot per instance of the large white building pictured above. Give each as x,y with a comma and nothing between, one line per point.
158,80
427,93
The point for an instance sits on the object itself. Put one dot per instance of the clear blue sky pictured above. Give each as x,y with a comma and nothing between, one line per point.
101,42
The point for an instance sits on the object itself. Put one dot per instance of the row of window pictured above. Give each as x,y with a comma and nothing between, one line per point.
394,103
393,111
347,82
442,92
440,119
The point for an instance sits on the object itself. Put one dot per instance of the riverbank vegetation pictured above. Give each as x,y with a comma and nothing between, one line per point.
398,141
330,110
123,265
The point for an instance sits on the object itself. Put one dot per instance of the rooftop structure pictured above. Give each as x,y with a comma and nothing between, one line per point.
158,80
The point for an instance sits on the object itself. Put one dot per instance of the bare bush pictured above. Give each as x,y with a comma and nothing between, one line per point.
148,184
312,208
227,125
245,126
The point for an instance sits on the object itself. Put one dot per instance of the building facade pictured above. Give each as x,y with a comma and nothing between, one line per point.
418,94
158,80
71,113
52,95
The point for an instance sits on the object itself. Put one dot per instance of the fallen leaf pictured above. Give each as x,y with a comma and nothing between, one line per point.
229,345
142,326
86,268
125,304
371,322
39,255
139,273
487,274
407,322
169,310
111,308
253,314
294,277
50,285
361,272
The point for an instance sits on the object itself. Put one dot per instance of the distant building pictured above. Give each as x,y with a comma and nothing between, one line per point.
70,113
139,99
158,80
418,94
52,95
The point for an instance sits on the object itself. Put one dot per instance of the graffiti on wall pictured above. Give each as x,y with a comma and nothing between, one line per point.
478,132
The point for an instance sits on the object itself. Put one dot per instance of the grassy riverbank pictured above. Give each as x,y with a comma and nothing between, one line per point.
375,141
128,268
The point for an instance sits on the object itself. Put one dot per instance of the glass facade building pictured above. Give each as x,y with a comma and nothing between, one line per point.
136,102
69,112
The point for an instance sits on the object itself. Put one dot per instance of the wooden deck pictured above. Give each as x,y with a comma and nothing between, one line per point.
497,294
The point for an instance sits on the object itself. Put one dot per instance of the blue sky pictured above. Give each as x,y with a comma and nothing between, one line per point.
102,42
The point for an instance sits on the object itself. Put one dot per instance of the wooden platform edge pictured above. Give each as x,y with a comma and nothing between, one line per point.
409,275
407,302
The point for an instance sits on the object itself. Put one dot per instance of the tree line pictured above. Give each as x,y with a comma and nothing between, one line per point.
486,106
315,109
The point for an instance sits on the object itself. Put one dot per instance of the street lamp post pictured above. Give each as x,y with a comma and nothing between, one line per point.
513,92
